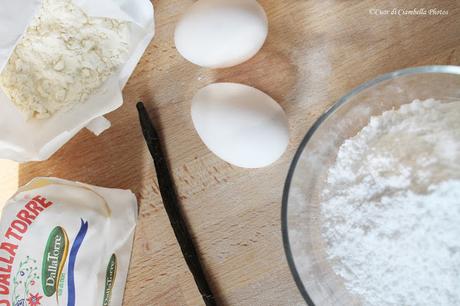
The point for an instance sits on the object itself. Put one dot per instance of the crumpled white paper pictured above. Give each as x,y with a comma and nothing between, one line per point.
34,140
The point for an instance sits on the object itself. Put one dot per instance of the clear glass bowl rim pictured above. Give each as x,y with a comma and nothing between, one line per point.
448,69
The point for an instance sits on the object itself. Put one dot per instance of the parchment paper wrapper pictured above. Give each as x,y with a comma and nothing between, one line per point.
34,140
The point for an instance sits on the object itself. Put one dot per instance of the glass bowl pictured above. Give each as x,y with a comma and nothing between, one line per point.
300,215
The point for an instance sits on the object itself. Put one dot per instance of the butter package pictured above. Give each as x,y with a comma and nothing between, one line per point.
66,243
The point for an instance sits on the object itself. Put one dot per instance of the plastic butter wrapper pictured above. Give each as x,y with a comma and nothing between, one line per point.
23,139
66,243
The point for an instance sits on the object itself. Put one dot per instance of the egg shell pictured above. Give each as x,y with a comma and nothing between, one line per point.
221,33
240,124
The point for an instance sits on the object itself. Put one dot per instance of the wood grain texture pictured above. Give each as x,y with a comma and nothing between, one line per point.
8,180
316,52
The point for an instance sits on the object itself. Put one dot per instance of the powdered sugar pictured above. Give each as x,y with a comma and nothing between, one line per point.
391,207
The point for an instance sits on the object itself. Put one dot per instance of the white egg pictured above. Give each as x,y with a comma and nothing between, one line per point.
221,33
240,124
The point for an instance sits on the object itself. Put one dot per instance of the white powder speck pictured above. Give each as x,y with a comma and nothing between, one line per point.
391,207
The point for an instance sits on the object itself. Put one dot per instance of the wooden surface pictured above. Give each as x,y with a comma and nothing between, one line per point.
316,52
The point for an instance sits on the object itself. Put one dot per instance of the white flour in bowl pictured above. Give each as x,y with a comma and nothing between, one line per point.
391,207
